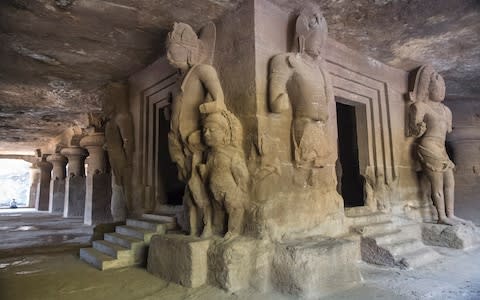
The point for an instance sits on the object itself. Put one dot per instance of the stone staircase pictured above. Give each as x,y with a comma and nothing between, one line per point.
128,245
385,243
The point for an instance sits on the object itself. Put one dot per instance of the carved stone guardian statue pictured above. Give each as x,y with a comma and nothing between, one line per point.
430,121
225,172
119,145
200,92
300,81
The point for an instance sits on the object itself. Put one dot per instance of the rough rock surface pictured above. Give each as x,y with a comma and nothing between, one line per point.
56,55
458,236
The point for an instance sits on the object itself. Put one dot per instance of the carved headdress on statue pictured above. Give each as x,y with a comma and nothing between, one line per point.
310,24
200,48
231,125
422,83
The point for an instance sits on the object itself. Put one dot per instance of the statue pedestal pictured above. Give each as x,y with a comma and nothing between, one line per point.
316,266
458,236
179,258
232,265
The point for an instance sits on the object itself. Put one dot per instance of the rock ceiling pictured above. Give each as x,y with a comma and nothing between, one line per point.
56,55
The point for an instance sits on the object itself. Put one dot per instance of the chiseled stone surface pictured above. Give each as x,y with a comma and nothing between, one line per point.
317,266
179,258
457,236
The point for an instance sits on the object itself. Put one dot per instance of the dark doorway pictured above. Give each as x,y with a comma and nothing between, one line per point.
352,183
174,188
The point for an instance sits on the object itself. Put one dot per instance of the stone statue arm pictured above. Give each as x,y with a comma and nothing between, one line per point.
416,123
240,172
176,153
280,73
125,125
449,119
215,99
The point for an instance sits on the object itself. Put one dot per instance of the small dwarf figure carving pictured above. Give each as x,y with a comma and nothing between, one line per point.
200,92
430,121
299,80
225,172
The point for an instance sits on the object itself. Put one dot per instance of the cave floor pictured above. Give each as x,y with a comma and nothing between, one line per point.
51,269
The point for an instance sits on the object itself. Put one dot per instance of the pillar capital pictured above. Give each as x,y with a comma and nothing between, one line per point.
76,160
59,162
45,166
94,144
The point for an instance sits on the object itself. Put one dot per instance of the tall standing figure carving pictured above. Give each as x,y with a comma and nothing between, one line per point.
430,121
299,80
200,93
119,145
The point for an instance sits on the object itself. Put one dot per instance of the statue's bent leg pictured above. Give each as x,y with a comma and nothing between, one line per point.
235,211
192,212
207,220
436,181
449,191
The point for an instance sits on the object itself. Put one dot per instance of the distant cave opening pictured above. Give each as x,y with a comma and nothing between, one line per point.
351,181
14,182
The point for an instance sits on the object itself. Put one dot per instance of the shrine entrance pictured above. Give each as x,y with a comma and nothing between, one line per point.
351,181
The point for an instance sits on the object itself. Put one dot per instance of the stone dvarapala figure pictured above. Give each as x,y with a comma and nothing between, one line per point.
299,80
200,93
430,121
225,172
119,145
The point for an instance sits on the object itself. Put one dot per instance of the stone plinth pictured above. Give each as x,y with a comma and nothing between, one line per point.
57,183
239,263
34,181
458,236
43,195
75,184
310,268
98,193
179,258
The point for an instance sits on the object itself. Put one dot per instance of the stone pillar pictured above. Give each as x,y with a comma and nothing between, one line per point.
34,181
75,184
99,188
57,183
43,193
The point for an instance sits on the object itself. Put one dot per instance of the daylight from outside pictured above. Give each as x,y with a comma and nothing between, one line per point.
14,182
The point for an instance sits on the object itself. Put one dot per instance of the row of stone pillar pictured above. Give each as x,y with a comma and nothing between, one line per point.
60,184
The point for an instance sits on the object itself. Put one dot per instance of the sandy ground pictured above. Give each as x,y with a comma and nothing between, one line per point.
44,264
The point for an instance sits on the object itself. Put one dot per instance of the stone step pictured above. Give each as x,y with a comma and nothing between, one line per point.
123,240
371,218
375,228
403,246
159,227
166,218
136,232
111,249
387,237
102,261
420,257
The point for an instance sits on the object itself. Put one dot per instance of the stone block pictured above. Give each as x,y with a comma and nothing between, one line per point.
458,236
179,258
231,263
317,266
